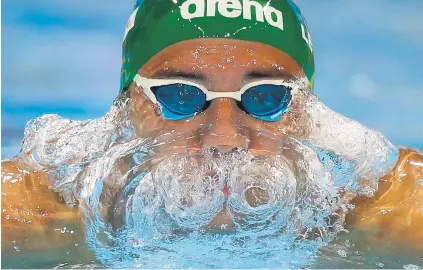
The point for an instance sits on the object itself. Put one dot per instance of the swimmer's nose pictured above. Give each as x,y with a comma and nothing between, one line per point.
223,130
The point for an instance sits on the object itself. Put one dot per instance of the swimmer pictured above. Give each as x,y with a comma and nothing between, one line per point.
235,78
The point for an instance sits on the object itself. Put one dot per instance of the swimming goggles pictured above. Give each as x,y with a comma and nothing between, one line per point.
179,99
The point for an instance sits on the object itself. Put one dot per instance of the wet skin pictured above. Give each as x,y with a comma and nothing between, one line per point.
220,65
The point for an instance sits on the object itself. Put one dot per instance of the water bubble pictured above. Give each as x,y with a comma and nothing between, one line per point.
347,243
385,211
379,264
411,267
367,191
342,253
229,59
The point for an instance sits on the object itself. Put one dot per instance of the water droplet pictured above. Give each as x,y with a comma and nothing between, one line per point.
385,211
342,253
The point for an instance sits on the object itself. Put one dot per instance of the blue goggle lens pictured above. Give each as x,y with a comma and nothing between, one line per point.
266,99
181,99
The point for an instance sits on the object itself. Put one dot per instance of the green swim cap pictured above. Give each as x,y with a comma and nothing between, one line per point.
157,24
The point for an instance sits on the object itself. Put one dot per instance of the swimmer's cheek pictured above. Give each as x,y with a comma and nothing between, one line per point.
396,212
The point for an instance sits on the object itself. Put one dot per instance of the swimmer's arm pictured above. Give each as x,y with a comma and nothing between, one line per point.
34,217
396,212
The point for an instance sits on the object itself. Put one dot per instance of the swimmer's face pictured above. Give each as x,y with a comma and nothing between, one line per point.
200,157
222,66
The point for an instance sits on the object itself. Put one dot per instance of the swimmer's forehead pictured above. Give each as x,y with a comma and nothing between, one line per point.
201,74
199,59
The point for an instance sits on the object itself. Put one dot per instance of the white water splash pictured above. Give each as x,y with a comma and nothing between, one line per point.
134,209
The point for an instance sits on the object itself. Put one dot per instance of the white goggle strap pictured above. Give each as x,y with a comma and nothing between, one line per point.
146,85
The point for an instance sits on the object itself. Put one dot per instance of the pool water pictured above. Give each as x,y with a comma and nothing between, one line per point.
156,220
349,250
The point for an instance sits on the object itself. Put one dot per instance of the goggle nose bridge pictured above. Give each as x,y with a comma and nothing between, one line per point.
214,95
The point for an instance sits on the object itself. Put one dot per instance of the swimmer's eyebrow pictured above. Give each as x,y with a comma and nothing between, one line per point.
268,74
177,73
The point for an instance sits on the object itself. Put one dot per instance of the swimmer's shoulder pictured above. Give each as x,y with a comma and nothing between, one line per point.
396,209
19,180
16,177
405,179
411,161
29,205
28,188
